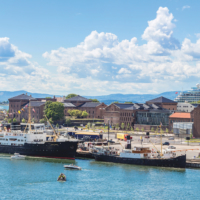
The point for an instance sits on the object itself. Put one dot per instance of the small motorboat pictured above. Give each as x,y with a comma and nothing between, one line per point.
62,178
72,167
18,156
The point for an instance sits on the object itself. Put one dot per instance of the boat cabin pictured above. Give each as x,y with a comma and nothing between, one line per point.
136,152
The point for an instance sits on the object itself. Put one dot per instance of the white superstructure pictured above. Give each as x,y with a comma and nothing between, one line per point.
192,95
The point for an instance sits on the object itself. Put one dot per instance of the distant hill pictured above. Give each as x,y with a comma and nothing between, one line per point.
107,99
5,95
135,98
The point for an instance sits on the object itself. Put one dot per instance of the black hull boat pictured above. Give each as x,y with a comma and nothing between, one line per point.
62,150
177,162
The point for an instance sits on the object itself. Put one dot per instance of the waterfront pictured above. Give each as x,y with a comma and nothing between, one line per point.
4,106
36,179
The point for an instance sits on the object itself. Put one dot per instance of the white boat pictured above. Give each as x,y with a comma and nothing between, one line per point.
72,167
18,156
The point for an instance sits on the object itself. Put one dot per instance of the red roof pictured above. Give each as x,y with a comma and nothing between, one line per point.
181,115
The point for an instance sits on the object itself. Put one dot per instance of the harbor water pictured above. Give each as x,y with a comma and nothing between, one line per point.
37,179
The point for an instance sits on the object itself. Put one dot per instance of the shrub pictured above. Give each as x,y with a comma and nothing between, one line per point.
14,120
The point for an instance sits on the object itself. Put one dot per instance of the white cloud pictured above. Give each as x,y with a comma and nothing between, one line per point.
124,71
185,7
102,64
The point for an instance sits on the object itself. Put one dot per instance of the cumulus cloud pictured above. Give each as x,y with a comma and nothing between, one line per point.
102,64
185,7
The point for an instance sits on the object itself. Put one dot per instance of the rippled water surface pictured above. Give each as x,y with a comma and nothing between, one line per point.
36,179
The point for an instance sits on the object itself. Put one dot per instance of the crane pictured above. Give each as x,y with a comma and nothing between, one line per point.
52,128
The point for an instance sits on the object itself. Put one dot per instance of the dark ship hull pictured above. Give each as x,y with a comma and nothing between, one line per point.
62,150
178,162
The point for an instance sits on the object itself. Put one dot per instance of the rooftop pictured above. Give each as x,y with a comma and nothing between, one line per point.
90,104
22,97
36,103
68,105
181,115
78,98
161,100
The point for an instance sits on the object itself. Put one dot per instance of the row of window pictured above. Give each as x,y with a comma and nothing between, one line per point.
125,114
126,119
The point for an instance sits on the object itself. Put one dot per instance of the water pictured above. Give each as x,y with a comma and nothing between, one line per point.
4,107
36,179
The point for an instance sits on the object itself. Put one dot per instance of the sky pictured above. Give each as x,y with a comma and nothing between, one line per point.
99,47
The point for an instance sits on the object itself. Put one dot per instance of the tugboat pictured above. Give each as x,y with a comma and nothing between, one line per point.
139,156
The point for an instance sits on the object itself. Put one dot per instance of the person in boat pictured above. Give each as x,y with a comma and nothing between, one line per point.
62,177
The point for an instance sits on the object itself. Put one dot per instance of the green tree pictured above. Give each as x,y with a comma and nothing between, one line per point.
167,131
191,135
128,102
88,125
94,100
43,120
152,129
157,129
115,102
84,114
161,131
69,96
14,120
54,110
117,126
137,129
57,125
122,126
5,119
68,121
142,129
128,126
48,97
131,128
33,120
10,121
23,120
51,121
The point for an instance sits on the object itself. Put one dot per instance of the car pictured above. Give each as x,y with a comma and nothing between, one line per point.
171,147
166,143
75,127
110,141
171,138
146,136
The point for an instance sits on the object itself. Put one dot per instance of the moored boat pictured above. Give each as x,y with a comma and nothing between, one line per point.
140,156
18,156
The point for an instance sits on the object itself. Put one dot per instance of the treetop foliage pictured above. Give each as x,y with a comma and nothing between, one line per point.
54,110
94,100
71,95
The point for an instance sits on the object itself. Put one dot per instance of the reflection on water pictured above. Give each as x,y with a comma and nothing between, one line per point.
36,178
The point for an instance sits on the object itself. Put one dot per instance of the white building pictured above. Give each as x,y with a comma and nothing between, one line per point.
185,107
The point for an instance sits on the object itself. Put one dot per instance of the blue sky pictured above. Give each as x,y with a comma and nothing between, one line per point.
99,47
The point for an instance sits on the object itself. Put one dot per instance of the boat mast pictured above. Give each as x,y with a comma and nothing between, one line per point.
29,115
161,139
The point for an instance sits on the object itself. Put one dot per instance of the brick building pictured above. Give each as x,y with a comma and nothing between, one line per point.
136,115
196,125
179,117
95,109
164,103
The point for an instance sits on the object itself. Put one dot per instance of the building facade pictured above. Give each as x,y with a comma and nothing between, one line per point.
186,107
179,117
164,103
21,103
137,115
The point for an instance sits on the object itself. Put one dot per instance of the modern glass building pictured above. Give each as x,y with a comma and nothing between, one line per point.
192,95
